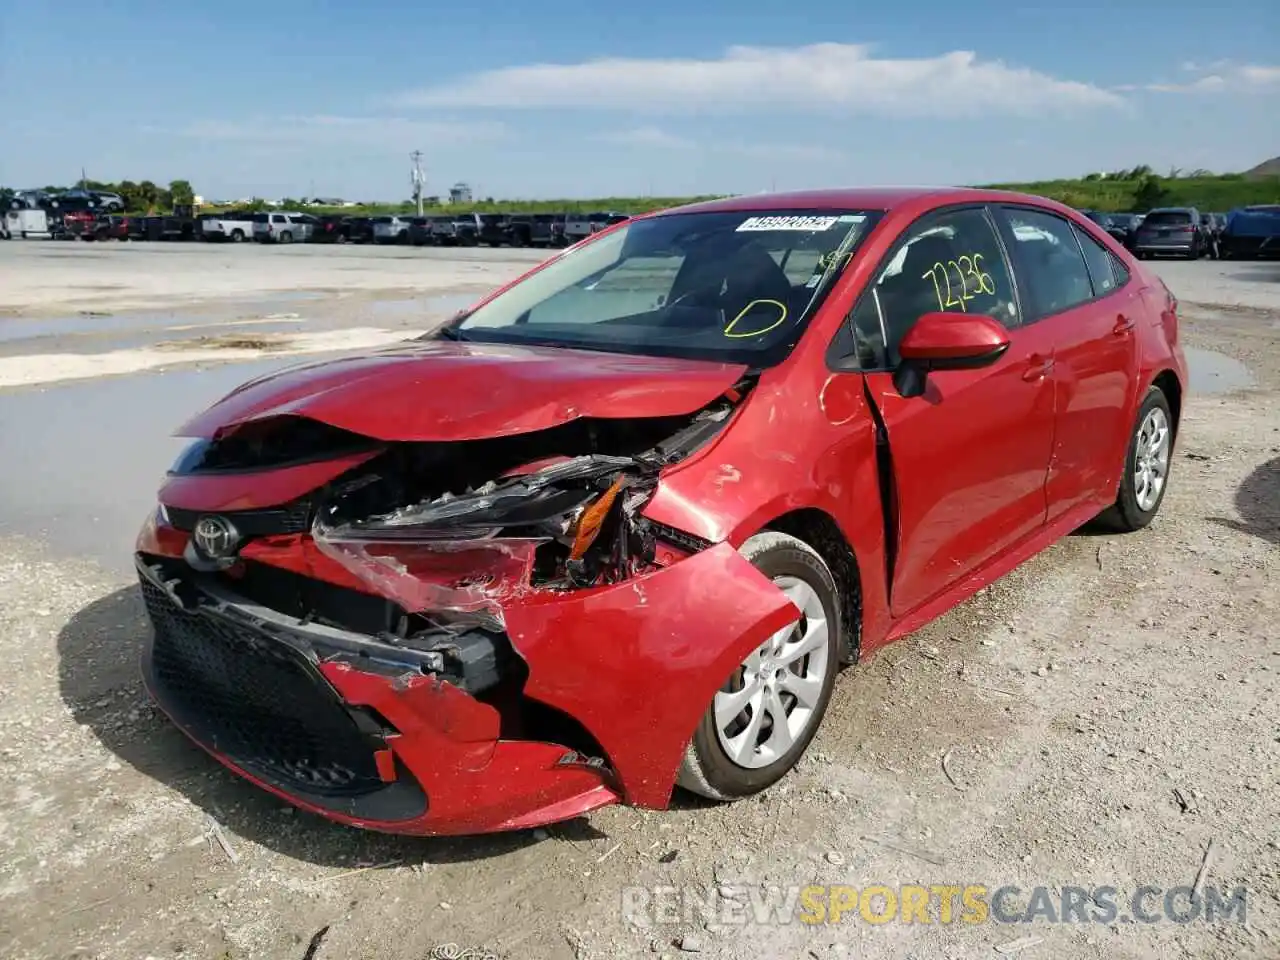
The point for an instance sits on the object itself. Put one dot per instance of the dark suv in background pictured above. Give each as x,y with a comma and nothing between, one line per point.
1176,231
1252,231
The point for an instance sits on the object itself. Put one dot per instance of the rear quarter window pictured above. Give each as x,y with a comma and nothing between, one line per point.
1099,261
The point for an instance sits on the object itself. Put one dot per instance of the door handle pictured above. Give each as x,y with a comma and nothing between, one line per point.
1038,367
1123,325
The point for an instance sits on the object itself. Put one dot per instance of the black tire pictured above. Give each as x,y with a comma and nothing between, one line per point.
707,769
237,236
1125,515
286,236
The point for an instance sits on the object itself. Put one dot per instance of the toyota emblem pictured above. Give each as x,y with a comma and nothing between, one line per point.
216,537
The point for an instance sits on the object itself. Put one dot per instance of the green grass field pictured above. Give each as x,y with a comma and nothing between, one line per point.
1211,193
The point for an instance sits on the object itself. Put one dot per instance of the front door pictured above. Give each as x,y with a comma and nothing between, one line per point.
969,456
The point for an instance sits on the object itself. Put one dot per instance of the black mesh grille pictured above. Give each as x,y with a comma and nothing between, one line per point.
256,701
291,518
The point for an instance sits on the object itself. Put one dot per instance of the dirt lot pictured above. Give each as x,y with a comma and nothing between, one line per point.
1107,713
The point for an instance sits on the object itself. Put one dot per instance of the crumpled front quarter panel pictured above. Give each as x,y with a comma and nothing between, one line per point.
637,663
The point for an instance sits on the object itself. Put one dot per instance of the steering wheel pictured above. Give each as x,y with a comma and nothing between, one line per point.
696,290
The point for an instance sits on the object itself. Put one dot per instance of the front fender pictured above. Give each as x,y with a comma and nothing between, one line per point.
637,663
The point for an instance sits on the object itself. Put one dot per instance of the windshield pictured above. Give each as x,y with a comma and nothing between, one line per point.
733,287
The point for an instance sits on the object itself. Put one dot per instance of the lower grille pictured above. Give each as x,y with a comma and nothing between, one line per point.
256,701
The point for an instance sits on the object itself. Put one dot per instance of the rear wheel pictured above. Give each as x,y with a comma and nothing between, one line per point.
237,236
762,720
1146,467
286,237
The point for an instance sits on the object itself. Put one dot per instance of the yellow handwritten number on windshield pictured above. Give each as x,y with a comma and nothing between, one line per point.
730,331
970,280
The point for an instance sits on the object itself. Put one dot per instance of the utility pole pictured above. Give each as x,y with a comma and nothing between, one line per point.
417,179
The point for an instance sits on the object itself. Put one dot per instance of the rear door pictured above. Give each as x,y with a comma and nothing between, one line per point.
1075,294
969,455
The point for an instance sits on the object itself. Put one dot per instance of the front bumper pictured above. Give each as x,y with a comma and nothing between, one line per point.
366,733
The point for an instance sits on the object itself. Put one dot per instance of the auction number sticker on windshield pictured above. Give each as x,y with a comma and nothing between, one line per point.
806,224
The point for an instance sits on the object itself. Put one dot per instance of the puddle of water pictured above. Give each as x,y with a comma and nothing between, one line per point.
94,453
291,296
15,330
136,339
1212,372
11,330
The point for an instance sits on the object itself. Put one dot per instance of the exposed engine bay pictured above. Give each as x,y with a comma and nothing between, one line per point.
558,509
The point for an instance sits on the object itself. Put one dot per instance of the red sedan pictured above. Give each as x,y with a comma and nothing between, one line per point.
617,527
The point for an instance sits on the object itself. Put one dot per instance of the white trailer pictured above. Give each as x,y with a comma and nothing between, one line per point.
27,224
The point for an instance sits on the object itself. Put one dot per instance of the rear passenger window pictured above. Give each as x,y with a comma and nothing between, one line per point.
1098,259
1052,274
1119,271
951,262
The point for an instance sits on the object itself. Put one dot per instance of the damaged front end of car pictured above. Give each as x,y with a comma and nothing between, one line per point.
446,636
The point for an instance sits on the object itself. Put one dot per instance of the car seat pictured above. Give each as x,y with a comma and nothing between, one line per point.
907,295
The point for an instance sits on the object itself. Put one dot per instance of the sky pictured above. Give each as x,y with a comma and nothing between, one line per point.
580,98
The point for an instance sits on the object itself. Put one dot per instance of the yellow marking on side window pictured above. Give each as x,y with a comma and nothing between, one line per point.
971,281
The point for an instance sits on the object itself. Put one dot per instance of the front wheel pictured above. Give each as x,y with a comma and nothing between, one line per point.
1146,467
762,720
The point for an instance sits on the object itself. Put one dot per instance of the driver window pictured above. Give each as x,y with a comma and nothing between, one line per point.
951,263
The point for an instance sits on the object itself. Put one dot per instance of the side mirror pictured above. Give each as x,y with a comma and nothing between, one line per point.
948,341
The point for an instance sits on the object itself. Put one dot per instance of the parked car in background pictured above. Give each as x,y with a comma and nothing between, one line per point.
1252,231
577,226
233,226
548,230
466,228
441,231
491,229
1118,225
390,229
102,200
1176,231
401,609
601,220
420,232
284,227
360,229
331,228
115,226
519,230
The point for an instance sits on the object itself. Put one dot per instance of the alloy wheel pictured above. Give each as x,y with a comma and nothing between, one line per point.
771,700
1151,459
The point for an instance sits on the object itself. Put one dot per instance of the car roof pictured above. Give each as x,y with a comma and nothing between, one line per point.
860,198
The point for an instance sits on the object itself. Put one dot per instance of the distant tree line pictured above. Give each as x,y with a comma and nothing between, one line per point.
1135,189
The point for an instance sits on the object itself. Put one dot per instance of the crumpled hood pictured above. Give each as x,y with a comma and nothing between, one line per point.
440,390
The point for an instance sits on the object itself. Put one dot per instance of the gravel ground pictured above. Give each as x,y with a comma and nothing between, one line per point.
1107,714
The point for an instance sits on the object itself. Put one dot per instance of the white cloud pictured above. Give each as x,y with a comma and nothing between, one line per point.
1221,76
646,137
769,150
323,128
823,76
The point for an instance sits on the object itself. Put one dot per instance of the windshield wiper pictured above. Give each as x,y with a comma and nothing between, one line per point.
452,332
